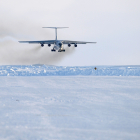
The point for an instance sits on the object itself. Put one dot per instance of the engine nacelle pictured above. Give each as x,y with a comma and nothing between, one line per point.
75,45
42,45
49,45
69,45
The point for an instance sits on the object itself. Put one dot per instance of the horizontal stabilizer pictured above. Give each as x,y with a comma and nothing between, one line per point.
55,27
55,30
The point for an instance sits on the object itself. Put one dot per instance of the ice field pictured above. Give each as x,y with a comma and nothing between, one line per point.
69,107
45,70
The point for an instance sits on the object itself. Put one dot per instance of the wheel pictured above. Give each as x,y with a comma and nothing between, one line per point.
53,50
63,50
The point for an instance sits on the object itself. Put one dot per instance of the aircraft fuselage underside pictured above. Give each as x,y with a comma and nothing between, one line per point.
58,46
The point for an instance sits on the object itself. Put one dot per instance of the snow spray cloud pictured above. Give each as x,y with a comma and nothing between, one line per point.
14,53
25,22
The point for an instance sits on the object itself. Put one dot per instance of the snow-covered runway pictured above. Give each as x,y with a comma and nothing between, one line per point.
70,108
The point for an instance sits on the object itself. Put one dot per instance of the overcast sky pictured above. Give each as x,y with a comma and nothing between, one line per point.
113,24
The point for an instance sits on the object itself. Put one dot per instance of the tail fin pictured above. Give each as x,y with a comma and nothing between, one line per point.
56,29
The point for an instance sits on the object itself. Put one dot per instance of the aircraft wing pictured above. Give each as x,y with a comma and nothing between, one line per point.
53,41
39,42
75,42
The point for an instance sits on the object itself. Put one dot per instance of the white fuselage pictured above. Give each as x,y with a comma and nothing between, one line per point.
57,45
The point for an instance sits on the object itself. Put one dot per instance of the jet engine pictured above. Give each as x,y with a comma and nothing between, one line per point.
49,45
75,45
69,45
42,45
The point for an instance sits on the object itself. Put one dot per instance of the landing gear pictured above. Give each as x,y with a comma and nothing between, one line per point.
61,50
53,50
69,45
75,45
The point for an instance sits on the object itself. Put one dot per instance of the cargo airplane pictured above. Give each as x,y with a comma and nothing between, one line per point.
57,44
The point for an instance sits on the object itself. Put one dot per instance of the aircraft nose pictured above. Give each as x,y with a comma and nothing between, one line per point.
60,44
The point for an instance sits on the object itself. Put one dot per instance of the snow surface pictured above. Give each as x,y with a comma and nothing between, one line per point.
69,108
44,70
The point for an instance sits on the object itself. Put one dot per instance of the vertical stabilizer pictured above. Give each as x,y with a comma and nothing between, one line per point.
55,30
